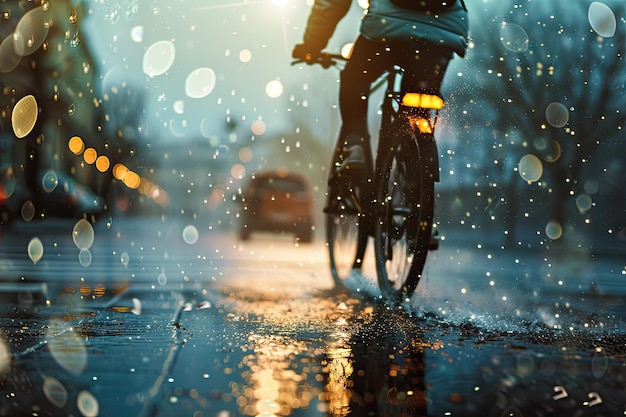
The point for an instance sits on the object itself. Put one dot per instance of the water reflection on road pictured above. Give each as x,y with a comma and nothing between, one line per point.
257,329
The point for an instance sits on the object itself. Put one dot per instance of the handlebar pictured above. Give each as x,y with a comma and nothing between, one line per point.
324,59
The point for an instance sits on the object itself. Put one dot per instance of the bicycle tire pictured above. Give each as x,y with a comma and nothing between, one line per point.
405,197
346,230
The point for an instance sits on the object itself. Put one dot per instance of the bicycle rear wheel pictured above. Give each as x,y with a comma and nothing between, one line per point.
346,230
405,197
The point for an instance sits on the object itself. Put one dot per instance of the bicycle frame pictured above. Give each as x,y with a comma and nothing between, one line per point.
396,109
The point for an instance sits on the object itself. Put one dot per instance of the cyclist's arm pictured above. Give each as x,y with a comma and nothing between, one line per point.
324,17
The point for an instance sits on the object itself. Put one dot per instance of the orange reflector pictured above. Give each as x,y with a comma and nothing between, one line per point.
421,124
425,101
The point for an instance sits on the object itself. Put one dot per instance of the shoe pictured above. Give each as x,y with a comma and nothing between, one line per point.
353,163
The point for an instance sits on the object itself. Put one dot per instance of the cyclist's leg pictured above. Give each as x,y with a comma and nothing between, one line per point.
368,61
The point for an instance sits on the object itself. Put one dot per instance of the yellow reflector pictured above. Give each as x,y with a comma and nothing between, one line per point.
425,101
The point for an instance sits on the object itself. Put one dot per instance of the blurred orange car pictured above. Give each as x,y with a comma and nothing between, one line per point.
278,201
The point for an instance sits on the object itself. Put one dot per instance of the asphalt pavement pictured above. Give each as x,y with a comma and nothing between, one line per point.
210,326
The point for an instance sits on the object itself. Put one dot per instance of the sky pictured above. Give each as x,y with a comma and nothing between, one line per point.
200,64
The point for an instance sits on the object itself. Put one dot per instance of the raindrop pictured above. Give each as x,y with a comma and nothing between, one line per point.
71,110
31,31
245,55
83,234
599,364
24,116
28,211
602,19
49,181
125,259
8,58
557,114
67,348
530,168
84,257
54,391
162,278
200,83
513,37
158,58
554,230
190,234
35,249
258,127
87,404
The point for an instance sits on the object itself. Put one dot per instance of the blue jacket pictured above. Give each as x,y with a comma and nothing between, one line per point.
386,22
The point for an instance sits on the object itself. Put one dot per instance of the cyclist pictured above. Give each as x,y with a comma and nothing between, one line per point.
420,36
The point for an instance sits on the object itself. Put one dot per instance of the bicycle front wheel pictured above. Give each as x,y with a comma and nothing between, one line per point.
405,198
346,231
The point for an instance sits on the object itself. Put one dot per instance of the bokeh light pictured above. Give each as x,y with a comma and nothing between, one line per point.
258,127
76,145
103,163
274,89
554,230
245,55
245,154
90,156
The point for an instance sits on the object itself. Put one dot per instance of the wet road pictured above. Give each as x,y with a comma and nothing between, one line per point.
166,321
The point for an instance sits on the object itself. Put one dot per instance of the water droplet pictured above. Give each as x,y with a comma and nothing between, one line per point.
190,234
530,168
87,404
554,230
24,116
125,259
54,391
84,257
200,83
35,249
49,181
67,347
602,19
136,34
513,37
71,110
83,234
557,114
158,58
28,211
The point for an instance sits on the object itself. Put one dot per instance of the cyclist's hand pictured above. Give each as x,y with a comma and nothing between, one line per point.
305,53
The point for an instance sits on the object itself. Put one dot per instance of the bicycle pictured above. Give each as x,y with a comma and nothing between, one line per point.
394,203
